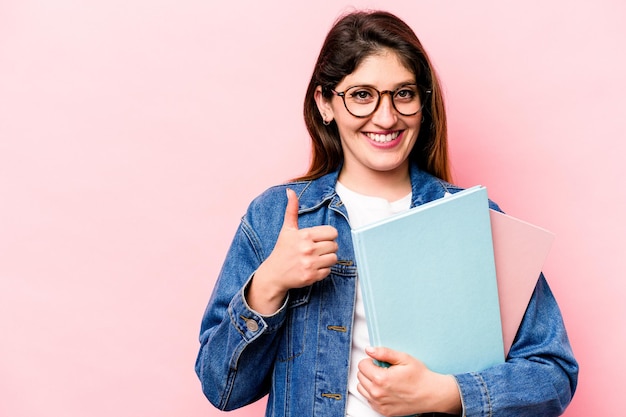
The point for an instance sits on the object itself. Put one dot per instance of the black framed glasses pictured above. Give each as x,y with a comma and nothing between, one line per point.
362,100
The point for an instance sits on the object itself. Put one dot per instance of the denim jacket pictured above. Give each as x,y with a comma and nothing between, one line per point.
300,354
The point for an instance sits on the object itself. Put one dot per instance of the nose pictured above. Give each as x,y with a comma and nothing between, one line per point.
385,115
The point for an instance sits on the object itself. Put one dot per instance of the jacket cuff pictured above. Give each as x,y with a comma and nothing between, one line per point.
249,323
474,395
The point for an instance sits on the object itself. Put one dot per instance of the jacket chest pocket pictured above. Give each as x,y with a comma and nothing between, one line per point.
295,330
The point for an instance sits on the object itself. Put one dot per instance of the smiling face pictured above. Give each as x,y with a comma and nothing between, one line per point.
376,146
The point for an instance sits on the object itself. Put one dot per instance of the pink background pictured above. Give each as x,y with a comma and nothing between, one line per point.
134,133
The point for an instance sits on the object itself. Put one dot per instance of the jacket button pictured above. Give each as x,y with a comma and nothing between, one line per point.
252,325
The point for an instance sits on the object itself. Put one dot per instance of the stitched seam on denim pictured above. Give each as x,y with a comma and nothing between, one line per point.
307,184
326,199
299,296
288,329
343,270
289,359
486,394
445,185
232,372
254,240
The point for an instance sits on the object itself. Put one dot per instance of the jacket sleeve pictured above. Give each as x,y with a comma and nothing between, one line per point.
237,345
540,374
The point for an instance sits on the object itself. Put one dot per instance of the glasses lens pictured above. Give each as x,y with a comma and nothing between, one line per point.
362,101
406,100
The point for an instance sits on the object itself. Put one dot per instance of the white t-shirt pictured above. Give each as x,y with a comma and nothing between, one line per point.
363,210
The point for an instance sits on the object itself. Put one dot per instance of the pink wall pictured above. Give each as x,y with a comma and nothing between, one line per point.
130,136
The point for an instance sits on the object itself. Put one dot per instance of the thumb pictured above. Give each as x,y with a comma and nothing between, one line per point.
384,355
291,211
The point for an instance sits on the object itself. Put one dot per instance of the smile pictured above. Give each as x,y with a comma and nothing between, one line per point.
376,137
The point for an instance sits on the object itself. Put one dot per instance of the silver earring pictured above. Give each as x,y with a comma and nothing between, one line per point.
326,123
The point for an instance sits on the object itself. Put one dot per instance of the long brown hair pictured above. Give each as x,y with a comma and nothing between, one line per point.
352,38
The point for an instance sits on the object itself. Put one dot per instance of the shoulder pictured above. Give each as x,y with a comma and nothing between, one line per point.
266,211
492,205
427,187
275,197
311,194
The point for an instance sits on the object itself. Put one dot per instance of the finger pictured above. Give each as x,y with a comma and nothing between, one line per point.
322,273
291,211
326,247
364,371
385,355
373,391
364,392
327,261
369,371
323,233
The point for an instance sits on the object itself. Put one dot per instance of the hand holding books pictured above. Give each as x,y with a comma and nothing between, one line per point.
448,282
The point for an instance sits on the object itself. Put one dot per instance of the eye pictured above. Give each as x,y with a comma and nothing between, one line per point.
406,93
362,94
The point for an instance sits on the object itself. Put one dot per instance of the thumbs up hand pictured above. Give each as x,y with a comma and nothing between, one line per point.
300,257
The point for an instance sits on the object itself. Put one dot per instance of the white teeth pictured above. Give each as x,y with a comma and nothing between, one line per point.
382,138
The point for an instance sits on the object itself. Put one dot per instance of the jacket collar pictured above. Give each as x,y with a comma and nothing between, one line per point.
319,191
424,187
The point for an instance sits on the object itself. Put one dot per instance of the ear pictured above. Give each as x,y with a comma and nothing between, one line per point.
323,105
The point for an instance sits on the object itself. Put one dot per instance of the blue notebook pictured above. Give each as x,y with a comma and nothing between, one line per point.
429,286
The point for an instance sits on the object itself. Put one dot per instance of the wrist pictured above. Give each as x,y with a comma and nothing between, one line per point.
449,401
262,296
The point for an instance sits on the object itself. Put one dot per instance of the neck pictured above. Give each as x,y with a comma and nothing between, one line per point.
390,185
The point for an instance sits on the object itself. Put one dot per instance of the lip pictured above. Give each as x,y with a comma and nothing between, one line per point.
382,140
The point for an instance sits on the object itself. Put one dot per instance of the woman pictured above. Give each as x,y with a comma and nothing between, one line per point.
286,317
